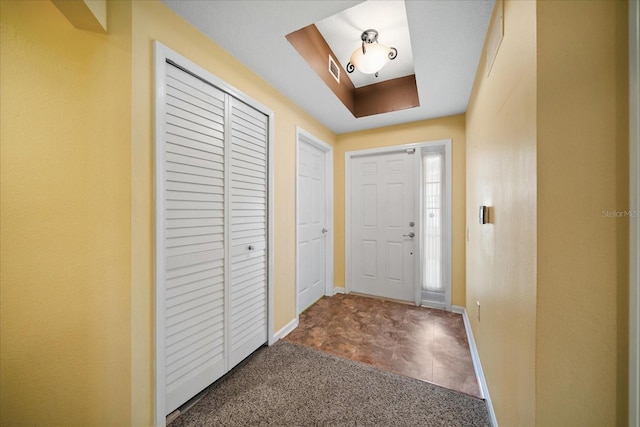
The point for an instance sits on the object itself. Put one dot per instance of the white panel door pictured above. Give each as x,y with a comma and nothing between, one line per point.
382,211
248,235
312,225
191,217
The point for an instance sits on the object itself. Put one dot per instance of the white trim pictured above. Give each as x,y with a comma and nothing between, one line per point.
634,205
339,290
477,366
349,155
457,309
347,222
304,137
227,232
448,253
417,266
271,337
161,55
286,330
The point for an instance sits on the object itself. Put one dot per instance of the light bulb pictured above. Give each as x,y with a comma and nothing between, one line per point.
376,57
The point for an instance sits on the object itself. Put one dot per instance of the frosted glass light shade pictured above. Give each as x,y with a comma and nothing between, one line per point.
376,57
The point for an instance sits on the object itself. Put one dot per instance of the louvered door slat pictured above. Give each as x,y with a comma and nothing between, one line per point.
205,152
177,134
248,143
250,153
193,222
252,224
192,271
248,201
241,173
193,235
186,214
247,290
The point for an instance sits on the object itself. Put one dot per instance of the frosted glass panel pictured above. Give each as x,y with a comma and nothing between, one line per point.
432,162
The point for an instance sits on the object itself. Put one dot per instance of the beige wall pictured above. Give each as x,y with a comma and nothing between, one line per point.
76,284
547,148
423,131
154,21
501,256
77,208
582,254
65,352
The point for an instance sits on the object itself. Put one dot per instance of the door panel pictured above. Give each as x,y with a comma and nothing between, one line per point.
311,223
382,207
192,236
395,264
248,263
369,258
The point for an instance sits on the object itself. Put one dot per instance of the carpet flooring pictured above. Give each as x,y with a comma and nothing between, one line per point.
292,385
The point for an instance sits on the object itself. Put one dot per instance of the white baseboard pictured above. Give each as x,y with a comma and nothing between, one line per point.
476,363
286,330
339,291
459,310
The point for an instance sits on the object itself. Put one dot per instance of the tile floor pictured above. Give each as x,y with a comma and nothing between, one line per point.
422,343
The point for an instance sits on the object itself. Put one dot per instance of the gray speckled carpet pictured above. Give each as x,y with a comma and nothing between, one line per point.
292,385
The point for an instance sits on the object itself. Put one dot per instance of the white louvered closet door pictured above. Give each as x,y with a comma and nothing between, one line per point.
193,235
248,235
211,234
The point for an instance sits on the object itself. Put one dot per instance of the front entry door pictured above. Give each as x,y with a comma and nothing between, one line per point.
383,230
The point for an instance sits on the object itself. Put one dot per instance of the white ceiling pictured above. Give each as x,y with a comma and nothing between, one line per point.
342,33
446,38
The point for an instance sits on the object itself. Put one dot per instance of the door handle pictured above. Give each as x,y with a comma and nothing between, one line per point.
411,234
324,230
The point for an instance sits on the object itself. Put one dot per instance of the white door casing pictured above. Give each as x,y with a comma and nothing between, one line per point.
383,203
314,212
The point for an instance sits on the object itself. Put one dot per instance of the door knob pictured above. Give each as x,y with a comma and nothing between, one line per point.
250,247
324,230
411,234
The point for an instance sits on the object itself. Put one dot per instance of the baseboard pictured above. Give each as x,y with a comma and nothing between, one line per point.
286,330
458,309
339,291
476,363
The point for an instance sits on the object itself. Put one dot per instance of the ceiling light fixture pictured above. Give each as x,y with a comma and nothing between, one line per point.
372,57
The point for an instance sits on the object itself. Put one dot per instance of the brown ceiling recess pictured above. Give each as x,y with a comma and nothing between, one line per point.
384,97
389,95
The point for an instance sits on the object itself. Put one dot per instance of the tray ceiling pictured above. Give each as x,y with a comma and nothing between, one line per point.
446,36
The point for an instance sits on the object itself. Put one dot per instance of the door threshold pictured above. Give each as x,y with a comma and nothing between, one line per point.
398,301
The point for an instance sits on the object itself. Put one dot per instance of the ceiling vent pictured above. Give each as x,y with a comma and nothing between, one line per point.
334,69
